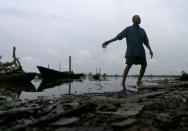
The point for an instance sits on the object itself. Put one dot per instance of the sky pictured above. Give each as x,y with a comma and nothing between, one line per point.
47,32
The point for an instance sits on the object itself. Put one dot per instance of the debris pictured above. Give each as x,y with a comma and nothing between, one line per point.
65,121
184,76
110,102
121,113
11,67
127,122
160,109
163,117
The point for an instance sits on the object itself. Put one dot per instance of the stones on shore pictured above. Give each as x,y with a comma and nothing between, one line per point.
124,123
144,110
5,102
65,122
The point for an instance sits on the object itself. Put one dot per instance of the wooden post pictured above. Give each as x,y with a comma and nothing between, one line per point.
59,66
99,71
69,88
14,52
70,64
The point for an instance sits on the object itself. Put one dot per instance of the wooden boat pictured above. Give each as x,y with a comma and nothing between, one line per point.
54,74
21,77
13,72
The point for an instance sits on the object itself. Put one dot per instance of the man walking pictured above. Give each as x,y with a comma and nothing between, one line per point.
135,53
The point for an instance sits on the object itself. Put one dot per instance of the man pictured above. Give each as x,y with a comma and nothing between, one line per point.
135,53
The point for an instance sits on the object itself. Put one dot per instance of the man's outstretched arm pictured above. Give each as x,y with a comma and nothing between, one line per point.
120,36
109,41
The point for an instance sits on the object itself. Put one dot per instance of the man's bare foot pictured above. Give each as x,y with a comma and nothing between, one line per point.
139,83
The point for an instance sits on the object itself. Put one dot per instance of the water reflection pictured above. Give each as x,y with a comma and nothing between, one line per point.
45,84
13,90
60,87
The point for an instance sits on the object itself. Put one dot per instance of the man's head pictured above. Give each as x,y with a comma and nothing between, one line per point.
136,19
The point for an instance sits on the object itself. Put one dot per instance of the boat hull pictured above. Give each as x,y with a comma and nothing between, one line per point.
17,77
54,74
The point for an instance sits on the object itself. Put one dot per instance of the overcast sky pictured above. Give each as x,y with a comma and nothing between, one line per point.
48,31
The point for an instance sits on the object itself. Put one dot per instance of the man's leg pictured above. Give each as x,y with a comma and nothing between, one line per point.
126,71
142,71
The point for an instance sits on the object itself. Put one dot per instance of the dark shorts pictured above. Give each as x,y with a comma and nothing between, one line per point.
136,61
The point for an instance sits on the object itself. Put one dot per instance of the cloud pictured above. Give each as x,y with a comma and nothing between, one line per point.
29,59
52,52
46,32
84,53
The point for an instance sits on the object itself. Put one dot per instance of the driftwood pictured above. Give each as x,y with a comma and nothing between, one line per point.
46,120
23,111
15,112
11,67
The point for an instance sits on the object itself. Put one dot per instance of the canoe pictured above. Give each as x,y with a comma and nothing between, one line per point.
17,77
54,74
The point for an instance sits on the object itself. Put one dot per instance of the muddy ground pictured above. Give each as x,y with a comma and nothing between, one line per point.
162,106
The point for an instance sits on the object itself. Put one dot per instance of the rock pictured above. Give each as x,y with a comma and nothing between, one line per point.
124,123
5,102
66,129
140,97
121,113
70,106
183,121
92,128
102,101
65,121
132,106
163,117
184,100
182,113
107,107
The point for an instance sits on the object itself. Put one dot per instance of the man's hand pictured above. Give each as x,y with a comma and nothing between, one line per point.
151,53
105,44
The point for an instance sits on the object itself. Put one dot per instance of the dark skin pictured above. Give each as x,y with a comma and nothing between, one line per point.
128,66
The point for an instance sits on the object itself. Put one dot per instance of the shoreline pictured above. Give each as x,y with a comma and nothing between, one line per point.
153,107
